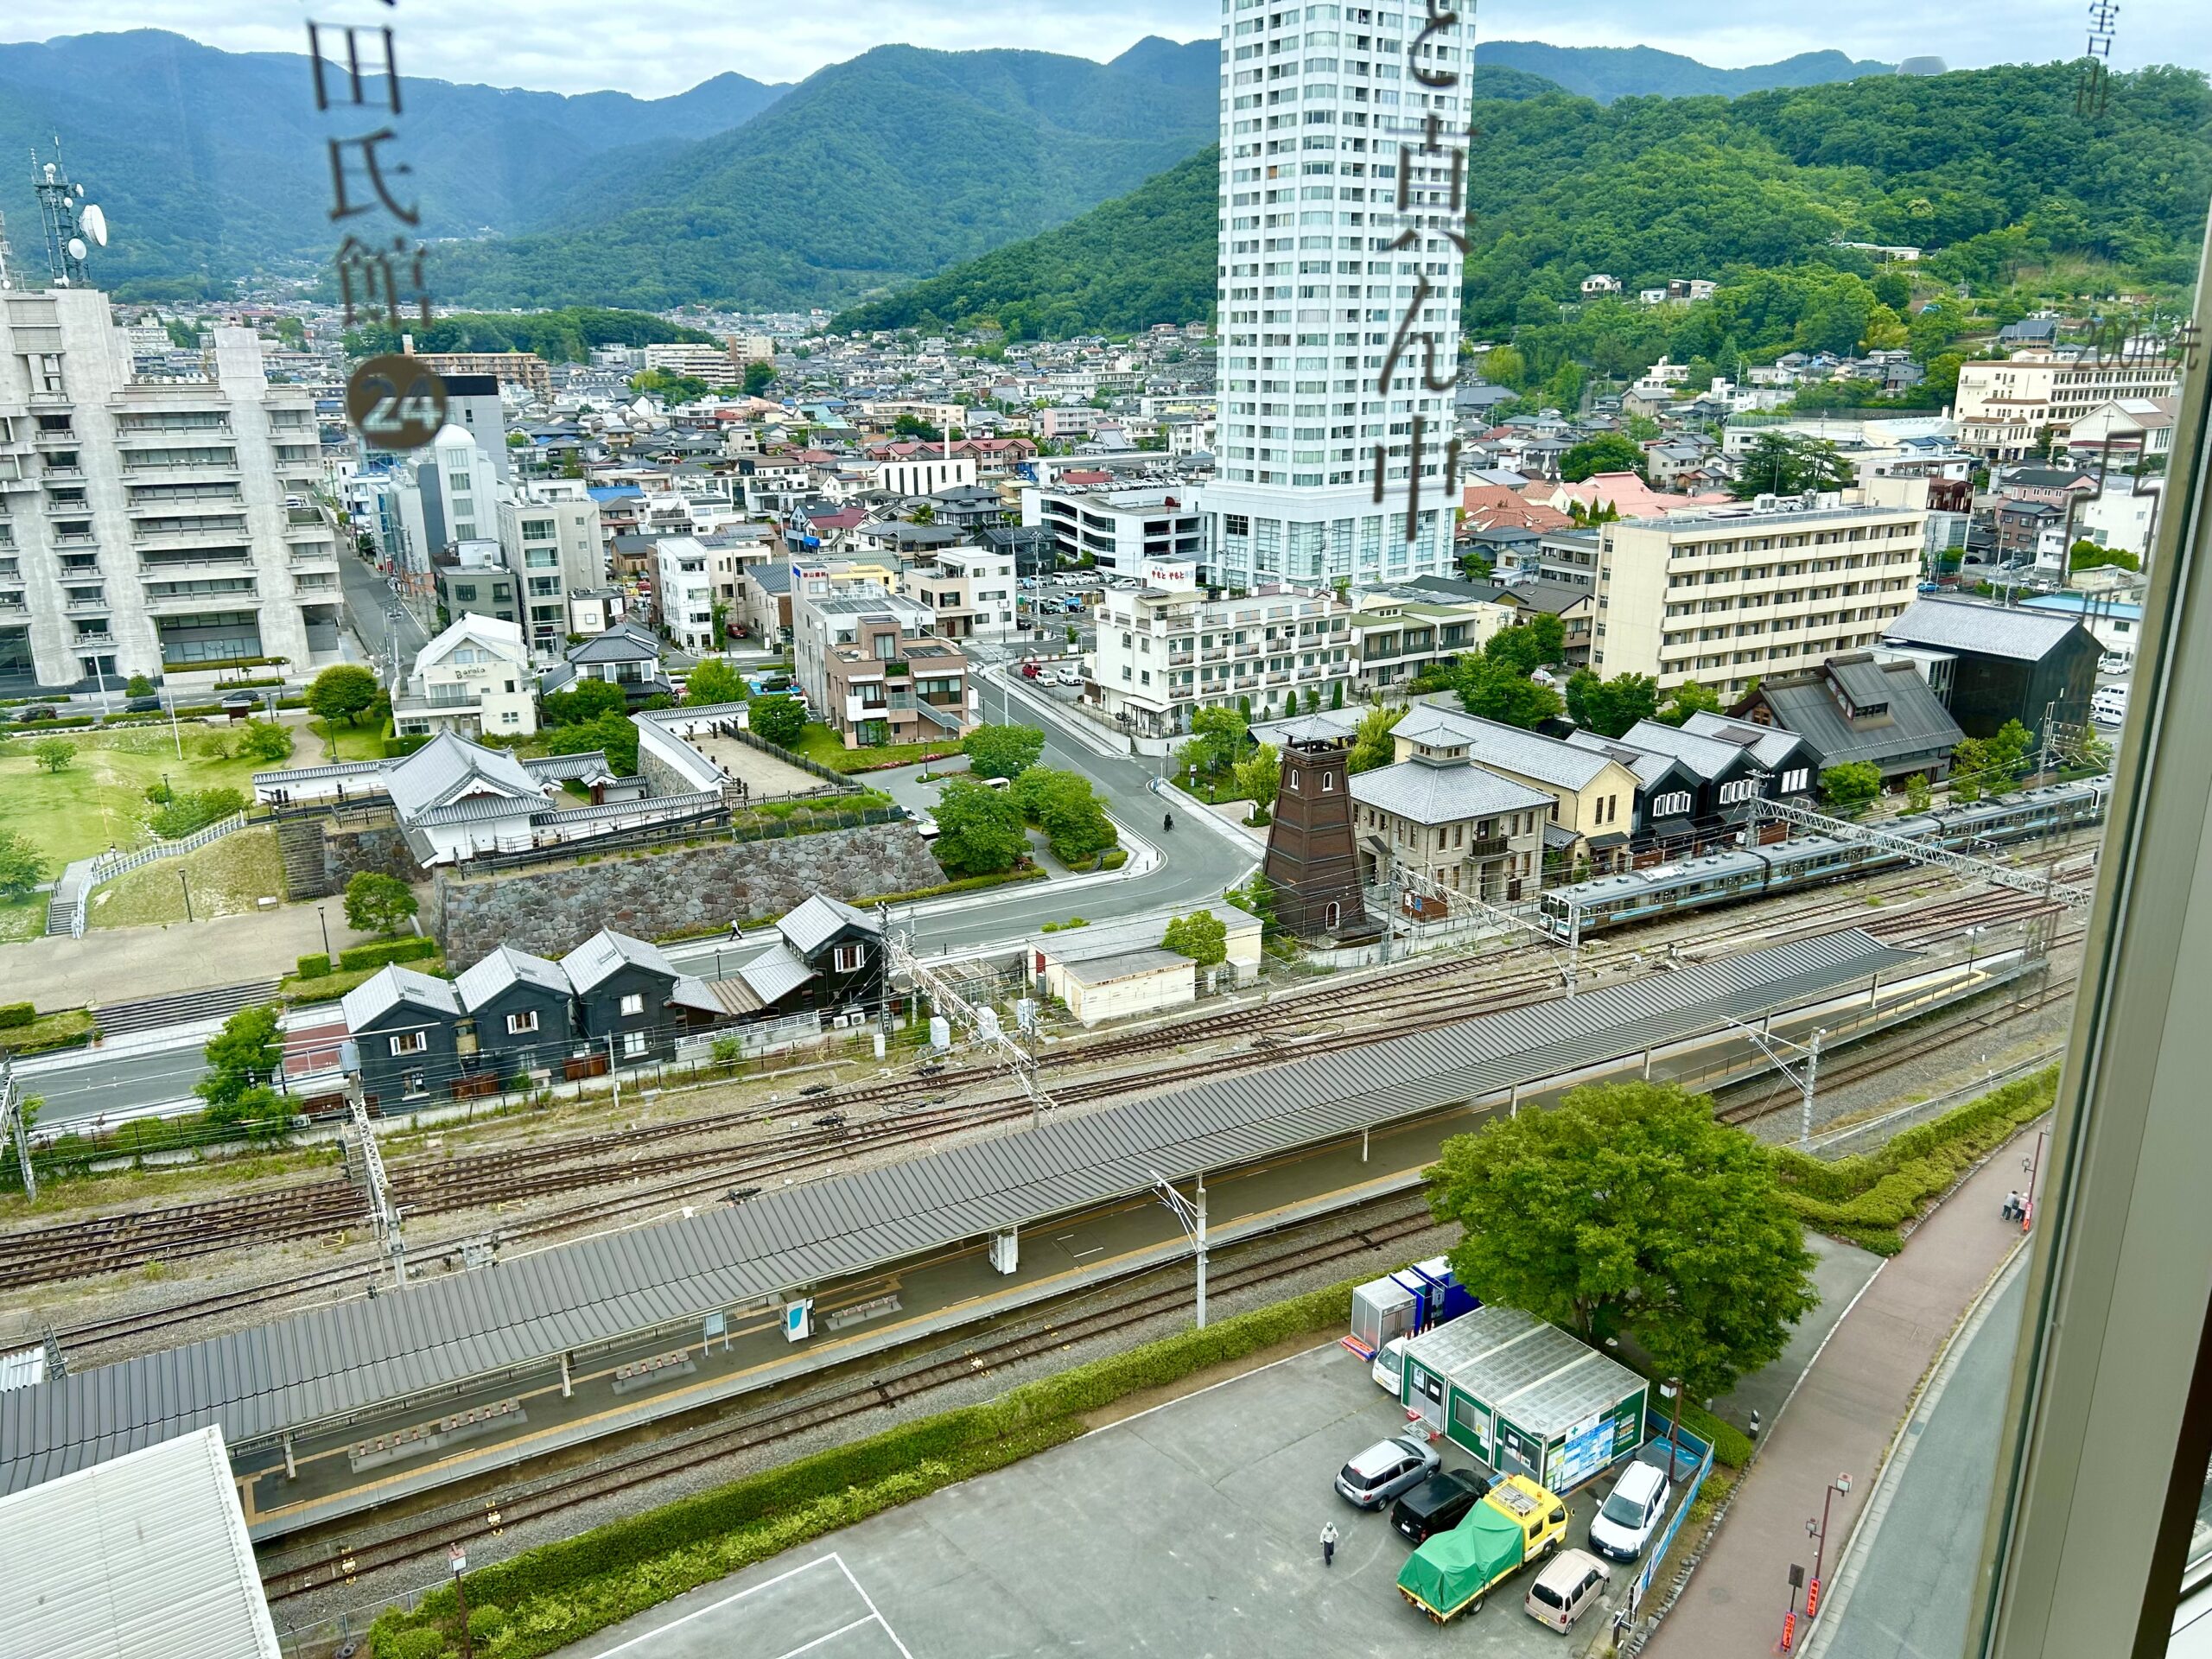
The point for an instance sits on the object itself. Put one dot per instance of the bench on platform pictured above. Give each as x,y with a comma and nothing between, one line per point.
642,1373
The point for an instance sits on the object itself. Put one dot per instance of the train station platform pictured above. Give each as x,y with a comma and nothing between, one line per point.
334,1411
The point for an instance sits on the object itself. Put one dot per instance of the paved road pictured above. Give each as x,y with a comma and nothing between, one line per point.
1914,1583
374,613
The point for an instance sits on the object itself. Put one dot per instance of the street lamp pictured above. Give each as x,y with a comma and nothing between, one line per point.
183,882
1818,1531
1672,1389
320,916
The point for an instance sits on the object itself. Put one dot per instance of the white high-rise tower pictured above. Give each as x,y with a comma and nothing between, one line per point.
1344,146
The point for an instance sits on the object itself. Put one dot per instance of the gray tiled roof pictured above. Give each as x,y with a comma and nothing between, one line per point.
606,950
1915,724
1989,630
1530,753
820,917
506,967
1708,757
626,642
373,998
328,1362
1769,746
775,973
1428,793
448,764
1649,765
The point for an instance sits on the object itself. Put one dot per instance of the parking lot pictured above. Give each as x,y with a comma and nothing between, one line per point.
1190,1530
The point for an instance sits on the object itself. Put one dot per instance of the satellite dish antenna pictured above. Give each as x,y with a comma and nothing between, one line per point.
80,189
77,249
94,223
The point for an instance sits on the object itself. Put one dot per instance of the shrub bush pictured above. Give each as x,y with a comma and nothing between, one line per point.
193,810
1867,1200
16,1014
316,966
375,955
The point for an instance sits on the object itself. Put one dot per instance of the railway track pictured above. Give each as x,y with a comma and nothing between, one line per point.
911,1111
685,1453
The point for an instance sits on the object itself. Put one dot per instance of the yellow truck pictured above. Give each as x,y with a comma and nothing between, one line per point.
1516,1523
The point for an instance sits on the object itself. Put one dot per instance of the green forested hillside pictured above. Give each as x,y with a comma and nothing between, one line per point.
1606,72
1990,170
562,336
886,167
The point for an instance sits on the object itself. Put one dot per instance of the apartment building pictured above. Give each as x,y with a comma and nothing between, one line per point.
712,364
1334,269
926,474
551,538
152,525
1726,598
524,369
969,590
1118,530
683,593
1400,633
2004,407
1165,649
472,580
874,670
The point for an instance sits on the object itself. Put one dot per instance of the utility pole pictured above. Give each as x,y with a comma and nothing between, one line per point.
1805,1078
1193,1217
365,1166
12,1104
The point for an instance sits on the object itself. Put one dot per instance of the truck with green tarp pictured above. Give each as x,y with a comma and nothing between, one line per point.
1450,1574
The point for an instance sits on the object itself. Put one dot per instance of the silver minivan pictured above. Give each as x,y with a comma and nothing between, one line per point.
1566,1589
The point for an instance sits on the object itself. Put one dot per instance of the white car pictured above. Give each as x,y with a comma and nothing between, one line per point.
1626,1520
1069,676
2109,706
2114,662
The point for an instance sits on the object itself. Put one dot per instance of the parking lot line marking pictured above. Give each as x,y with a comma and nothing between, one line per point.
872,1619
738,1595
1119,1421
865,1597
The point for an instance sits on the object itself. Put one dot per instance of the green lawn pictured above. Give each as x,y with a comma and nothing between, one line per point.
818,742
227,877
100,798
354,743
22,919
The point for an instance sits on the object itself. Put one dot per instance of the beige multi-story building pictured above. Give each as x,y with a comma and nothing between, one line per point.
1449,823
1593,791
1398,634
884,680
1727,597
153,526
2004,407
1165,649
525,369
713,364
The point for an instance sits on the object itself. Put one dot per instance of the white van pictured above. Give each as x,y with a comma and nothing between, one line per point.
2109,706
1390,1368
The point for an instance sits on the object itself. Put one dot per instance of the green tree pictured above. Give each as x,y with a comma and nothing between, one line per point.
1627,1210
1850,785
54,753
1779,464
1336,694
779,720
269,740
2087,556
615,735
343,691
242,1061
1611,706
979,829
1690,697
1532,645
1917,794
1372,745
712,681
759,377
1003,751
1259,776
1504,366
21,867
137,686
1218,737
1494,690
584,701
1607,452
1202,935
1067,809
378,903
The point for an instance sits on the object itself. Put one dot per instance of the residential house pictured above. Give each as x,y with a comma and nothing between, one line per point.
519,1014
1850,710
632,1003
1990,664
828,956
1729,771
1661,824
405,1028
472,580
474,678
763,607
1167,651
969,590
1592,796
1399,633
624,654
684,593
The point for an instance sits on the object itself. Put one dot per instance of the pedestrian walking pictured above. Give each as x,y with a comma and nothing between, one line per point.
1328,1543
736,934
2011,1210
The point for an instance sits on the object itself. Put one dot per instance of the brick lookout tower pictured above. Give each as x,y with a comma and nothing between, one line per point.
1311,864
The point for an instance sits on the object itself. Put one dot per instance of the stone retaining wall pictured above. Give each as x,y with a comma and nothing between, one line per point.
380,847
672,890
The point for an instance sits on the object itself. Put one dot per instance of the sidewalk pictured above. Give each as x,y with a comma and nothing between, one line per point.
123,964
1840,1420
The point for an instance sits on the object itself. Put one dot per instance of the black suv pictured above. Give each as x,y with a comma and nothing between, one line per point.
142,706
1438,1504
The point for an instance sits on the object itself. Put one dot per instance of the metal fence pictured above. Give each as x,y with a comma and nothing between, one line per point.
108,866
1665,1540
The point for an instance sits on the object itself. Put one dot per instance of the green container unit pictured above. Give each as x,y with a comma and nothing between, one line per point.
1524,1397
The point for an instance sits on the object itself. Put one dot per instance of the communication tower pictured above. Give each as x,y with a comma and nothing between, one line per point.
72,224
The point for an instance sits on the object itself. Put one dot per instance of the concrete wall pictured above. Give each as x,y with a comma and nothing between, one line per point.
550,913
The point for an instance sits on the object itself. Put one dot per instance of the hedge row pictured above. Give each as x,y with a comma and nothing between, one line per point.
316,965
1866,1199
560,1592
375,955
965,884
17,1014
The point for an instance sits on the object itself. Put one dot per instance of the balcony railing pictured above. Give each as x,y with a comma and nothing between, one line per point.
1496,847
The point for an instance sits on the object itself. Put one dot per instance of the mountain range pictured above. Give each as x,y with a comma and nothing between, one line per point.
887,168
1995,167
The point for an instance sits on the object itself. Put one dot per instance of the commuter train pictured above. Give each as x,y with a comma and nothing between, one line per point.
1740,874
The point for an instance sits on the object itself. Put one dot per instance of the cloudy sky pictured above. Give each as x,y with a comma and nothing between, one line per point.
573,46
